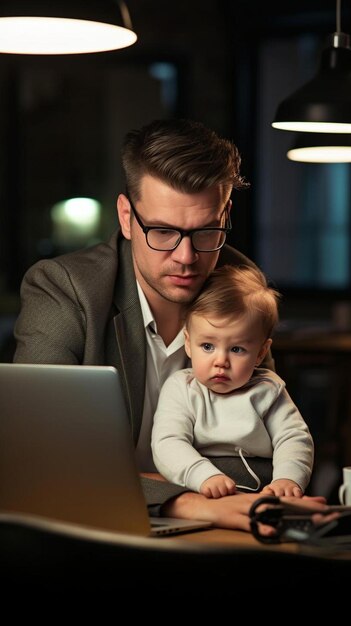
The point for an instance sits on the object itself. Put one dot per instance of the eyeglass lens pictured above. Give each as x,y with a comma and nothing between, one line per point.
202,240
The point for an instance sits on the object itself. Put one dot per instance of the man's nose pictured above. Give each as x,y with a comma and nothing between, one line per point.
185,253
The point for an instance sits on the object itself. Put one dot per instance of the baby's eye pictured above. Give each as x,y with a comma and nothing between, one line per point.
207,347
237,349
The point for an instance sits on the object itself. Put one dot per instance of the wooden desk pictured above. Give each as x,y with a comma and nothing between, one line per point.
236,539
235,565
222,566
231,539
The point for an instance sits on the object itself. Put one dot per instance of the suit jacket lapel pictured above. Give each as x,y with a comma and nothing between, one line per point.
130,334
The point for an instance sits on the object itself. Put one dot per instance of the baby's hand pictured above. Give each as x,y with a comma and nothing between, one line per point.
283,487
218,486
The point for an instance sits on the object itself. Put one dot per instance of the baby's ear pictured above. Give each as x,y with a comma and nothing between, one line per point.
187,343
263,351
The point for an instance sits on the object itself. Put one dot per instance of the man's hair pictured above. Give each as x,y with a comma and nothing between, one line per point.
234,291
182,153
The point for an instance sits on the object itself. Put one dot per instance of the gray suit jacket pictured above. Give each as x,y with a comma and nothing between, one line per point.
83,308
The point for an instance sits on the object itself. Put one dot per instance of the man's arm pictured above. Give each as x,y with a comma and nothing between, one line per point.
231,512
51,326
159,492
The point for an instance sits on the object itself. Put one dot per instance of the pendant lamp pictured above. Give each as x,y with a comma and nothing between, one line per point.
321,148
323,105
64,26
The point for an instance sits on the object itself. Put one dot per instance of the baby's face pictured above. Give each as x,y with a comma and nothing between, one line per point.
224,352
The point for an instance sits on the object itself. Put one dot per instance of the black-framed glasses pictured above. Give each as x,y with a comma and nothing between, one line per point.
165,239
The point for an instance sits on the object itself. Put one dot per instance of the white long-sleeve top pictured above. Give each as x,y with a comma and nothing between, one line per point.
192,423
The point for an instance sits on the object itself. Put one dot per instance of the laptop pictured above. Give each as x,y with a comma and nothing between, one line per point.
66,451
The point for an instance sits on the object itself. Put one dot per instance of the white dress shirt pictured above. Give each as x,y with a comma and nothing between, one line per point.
161,361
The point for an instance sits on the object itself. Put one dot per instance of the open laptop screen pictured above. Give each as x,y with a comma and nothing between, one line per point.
66,450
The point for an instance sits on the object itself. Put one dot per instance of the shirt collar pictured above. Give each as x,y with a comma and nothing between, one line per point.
150,322
148,317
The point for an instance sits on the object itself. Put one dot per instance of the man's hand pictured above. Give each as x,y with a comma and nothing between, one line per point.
233,511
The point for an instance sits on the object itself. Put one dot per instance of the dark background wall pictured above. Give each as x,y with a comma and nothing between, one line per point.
62,118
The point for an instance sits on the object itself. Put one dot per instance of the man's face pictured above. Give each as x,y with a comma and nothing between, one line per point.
178,275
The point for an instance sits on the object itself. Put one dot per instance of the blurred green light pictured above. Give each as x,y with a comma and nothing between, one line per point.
77,211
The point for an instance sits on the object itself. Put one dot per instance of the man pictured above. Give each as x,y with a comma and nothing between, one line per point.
122,303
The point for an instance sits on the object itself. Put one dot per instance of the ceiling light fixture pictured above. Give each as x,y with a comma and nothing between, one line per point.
321,148
64,26
323,105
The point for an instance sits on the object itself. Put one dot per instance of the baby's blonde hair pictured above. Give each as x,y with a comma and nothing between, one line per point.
233,291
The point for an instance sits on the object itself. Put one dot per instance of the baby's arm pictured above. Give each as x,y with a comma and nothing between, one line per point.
172,441
283,487
293,449
218,486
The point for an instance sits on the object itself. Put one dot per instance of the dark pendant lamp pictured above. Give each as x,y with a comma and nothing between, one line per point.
323,105
321,148
64,26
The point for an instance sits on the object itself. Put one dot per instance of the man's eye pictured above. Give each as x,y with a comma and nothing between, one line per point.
237,349
165,232
207,347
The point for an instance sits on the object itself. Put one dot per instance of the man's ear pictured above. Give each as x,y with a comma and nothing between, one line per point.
263,351
187,343
123,211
